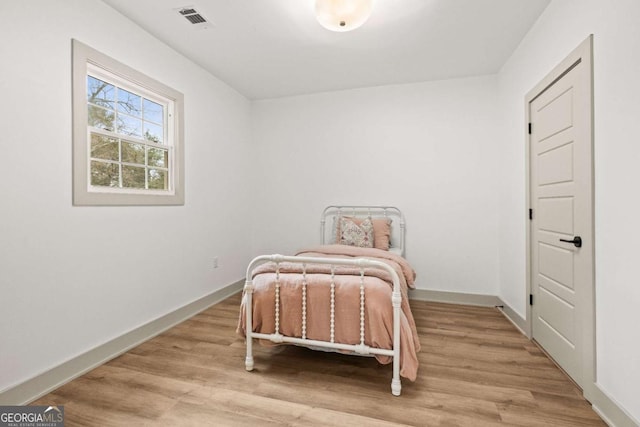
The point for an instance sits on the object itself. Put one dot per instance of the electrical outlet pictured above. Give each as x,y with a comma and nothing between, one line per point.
215,262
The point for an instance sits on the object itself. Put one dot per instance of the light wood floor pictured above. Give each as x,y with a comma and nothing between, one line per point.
476,369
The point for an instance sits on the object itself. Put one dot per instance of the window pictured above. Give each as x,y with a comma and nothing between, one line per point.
127,135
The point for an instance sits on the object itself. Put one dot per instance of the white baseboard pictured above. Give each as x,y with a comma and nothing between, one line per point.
517,320
454,297
611,411
48,381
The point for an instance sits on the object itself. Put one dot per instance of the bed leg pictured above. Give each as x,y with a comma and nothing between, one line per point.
396,299
248,363
396,387
248,289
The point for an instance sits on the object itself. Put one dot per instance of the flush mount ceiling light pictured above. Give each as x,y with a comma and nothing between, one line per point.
343,15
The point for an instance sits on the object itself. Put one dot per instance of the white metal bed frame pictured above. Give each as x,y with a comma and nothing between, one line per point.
357,349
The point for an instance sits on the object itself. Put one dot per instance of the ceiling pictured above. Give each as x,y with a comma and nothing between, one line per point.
276,48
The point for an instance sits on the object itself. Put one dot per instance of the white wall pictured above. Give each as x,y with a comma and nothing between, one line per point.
428,148
561,28
72,278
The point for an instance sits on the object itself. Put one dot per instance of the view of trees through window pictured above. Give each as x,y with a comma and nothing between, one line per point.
127,138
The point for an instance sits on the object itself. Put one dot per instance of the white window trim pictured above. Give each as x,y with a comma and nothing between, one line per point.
83,193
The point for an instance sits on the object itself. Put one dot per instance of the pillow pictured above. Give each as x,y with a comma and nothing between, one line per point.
334,237
381,231
352,234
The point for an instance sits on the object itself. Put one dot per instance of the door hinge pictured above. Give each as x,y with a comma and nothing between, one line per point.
530,299
531,214
529,128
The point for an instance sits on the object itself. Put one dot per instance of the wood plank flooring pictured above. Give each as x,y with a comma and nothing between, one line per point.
476,369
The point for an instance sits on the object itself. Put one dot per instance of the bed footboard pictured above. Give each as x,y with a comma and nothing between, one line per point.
359,349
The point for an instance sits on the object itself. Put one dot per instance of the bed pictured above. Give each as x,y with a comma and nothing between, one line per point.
347,295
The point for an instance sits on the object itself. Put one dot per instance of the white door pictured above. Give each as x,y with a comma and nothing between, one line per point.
561,232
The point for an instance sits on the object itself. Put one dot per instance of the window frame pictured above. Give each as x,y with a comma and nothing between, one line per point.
88,61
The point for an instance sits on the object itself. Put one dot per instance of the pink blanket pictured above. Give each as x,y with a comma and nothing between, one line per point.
378,307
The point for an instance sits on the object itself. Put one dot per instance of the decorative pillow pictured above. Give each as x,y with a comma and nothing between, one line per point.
334,237
352,234
381,231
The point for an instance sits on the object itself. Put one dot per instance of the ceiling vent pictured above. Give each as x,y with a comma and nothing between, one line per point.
193,16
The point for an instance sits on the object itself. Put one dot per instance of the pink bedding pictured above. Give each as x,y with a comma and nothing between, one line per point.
378,308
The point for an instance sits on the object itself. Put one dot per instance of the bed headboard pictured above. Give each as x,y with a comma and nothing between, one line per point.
331,213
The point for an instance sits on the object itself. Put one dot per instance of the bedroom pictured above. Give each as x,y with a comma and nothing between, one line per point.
459,147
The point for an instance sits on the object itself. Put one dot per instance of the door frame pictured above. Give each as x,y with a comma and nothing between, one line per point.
583,53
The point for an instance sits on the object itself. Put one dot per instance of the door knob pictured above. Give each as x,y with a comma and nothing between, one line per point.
577,241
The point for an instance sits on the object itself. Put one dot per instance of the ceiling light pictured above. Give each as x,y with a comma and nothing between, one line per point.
343,15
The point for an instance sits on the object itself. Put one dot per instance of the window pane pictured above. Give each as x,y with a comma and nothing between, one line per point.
132,153
100,93
129,103
153,132
128,125
157,157
158,179
104,174
103,147
153,112
132,177
126,134
100,118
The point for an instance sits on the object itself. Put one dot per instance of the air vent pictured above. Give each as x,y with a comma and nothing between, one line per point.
192,15
195,19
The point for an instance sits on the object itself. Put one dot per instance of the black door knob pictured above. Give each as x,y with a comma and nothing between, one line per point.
577,241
